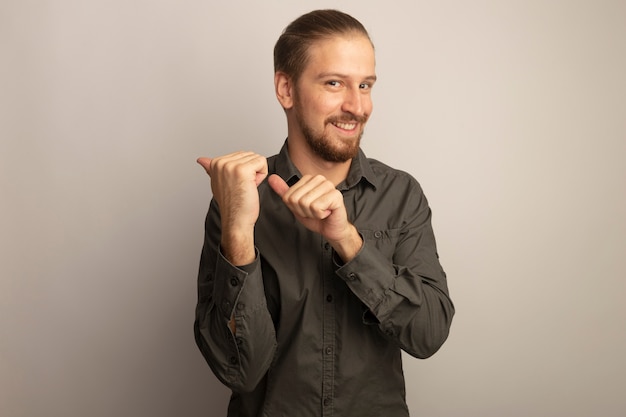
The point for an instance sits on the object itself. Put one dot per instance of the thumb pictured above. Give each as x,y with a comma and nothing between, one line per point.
206,164
279,185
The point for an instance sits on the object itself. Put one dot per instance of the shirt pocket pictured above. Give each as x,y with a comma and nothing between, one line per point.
385,240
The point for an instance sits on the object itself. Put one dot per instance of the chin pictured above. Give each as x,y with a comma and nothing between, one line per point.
342,153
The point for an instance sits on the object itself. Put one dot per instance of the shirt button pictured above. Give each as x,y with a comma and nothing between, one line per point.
351,276
329,298
233,360
378,234
329,350
234,281
327,246
240,306
326,402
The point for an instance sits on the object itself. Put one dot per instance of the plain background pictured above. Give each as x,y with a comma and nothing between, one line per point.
511,114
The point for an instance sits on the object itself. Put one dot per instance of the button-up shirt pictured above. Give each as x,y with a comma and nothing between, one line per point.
316,336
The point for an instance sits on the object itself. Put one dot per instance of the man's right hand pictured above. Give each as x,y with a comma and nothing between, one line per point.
234,181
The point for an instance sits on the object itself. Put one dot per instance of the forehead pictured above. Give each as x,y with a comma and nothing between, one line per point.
350,54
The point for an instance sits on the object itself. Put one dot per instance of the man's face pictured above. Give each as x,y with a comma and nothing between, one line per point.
332,98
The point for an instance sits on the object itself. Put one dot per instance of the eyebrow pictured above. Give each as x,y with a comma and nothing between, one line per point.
339,75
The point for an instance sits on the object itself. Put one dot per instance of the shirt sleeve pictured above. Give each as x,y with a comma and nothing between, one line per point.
406,296
239,359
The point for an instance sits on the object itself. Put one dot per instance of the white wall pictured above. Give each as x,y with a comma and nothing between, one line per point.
512,114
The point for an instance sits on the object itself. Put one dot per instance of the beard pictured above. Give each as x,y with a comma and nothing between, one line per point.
329,149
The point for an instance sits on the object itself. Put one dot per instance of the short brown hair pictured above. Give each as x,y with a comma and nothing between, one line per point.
290,51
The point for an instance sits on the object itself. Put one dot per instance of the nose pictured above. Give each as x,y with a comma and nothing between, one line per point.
355,102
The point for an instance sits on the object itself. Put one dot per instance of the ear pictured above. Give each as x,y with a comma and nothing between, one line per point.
284,89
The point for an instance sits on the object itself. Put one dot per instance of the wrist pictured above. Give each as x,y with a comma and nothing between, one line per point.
238,246
349,246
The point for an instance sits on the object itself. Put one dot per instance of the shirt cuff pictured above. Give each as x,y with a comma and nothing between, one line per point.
230,281
369,275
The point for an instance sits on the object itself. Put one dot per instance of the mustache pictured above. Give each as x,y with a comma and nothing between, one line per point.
347,118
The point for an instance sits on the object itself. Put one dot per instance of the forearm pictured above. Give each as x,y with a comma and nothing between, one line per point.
237,243
409,305
232,295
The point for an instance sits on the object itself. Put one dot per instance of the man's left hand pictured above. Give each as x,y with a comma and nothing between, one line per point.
319,206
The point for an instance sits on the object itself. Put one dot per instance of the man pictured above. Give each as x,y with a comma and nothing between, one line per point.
319,265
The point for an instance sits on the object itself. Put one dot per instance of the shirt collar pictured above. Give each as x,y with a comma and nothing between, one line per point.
360,169
285,168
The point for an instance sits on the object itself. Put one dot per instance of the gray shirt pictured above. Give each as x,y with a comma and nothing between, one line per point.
314,336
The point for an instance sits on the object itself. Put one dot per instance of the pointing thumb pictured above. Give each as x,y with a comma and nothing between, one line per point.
279,185
206,164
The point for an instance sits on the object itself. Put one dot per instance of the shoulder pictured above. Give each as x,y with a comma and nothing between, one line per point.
389,177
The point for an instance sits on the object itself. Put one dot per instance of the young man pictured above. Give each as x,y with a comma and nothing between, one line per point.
319,265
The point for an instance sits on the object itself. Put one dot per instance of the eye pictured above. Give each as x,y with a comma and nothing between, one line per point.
333,83
365,86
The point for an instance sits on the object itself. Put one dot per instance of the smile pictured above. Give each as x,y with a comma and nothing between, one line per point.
345,126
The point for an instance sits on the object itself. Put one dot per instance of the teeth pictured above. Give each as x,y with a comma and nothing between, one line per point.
346,126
